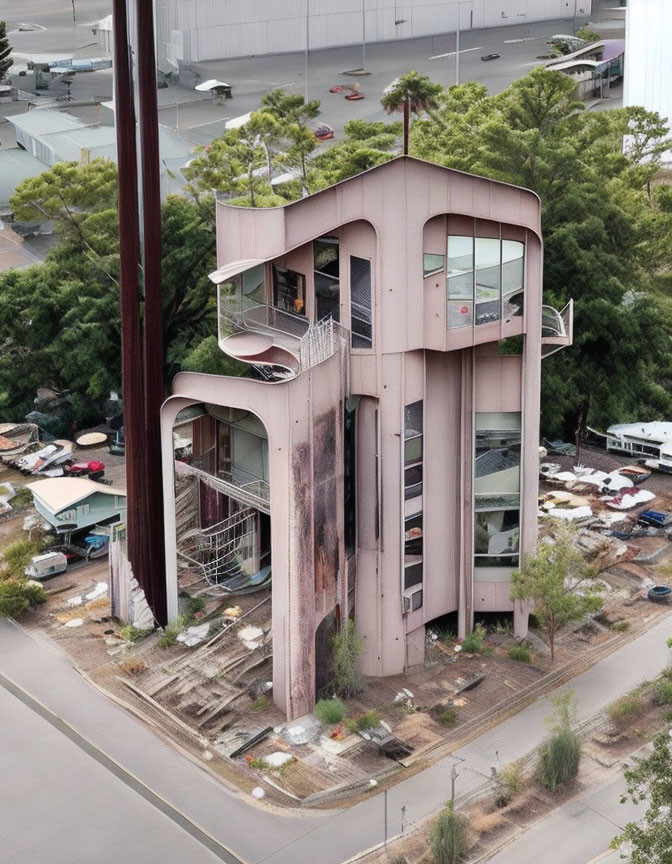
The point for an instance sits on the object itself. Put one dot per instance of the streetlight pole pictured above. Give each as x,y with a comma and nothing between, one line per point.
363,34
307,47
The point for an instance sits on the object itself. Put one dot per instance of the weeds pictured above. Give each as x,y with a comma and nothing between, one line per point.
450,836
484,823
330,711
624,710
346,647
662,692
473,642
365,721
521,653
129,633
510,782
443,715
133,664
194,605
261,703
560,755
172,630
621,625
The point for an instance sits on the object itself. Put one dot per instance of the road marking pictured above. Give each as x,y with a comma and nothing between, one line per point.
452,53
131,780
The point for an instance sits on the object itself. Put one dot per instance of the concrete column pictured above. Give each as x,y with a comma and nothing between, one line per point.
465,615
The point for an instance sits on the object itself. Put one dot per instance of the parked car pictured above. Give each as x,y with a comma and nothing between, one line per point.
93,469
490,57
47,565
656,518
324,132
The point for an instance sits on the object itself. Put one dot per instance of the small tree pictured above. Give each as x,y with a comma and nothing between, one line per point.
649,779
450,836
557,580
410,92
346,648
5,50
560,755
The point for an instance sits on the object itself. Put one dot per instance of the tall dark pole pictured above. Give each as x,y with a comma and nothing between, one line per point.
131,354
155,589
407,123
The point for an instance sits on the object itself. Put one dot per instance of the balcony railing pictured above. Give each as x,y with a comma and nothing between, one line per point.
294,345
255,493
556,328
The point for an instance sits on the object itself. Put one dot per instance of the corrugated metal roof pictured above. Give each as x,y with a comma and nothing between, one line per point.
44,121
68,146
16,165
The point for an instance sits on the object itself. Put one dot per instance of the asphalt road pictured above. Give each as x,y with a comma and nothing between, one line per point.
205,807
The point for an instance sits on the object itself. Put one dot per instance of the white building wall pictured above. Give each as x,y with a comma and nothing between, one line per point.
215,29
648,59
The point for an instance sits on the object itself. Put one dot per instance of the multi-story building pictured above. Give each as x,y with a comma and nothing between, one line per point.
383,460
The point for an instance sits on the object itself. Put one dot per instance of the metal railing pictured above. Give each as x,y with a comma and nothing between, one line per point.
256,493
554,323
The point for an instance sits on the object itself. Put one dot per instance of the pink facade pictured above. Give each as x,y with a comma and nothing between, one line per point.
400,459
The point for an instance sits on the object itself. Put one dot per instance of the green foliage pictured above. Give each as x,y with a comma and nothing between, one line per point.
421,93
445,716
172,630
604,228
5,51
626,709
662,692
649,780
365,721
194,605
450,836
510,782
129,633
560,755
17,556
261,703
522,653
208,358
329,711
17,596
587,35
621,625
346,649
561,586
473,642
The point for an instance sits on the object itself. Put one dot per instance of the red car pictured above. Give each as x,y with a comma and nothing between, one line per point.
324,132
94,469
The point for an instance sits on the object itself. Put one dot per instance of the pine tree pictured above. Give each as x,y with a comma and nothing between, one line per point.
5,51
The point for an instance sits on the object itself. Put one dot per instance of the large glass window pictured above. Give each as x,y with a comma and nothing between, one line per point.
497,489
513,275
289,290
413,450
360,302
432,264
327,275
412,551
488,253
460,281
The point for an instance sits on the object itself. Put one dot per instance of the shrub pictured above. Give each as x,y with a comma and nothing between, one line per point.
16,557
129,633
624,710
346,648
172,630
522,653
443,715
662,693
16,596
260,703
450,836
330,711
194,605
483,823
621,625
510,782
365,721
473,643
560,755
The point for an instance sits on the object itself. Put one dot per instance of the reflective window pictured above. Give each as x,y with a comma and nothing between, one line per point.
413,450
412,551
513,275
432,264
327,272
488,279
360,302
497,455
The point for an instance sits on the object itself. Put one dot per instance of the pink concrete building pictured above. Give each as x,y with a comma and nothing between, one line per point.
383,460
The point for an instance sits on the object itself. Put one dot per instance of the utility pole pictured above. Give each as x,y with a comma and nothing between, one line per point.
307,49
385,815
453,777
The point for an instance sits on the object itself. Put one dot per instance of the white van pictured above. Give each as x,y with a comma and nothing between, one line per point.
47,565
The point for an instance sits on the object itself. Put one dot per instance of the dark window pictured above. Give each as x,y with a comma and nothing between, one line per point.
349,474
327,273
413,450
412,575
360,302
289,291
416,601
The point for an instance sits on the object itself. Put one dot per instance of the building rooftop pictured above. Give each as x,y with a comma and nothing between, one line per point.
16,165
658,430
57,493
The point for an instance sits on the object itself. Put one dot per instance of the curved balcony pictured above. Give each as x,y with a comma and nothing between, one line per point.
556,328
278,344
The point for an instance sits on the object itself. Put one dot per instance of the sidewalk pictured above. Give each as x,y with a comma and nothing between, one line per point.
304,837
